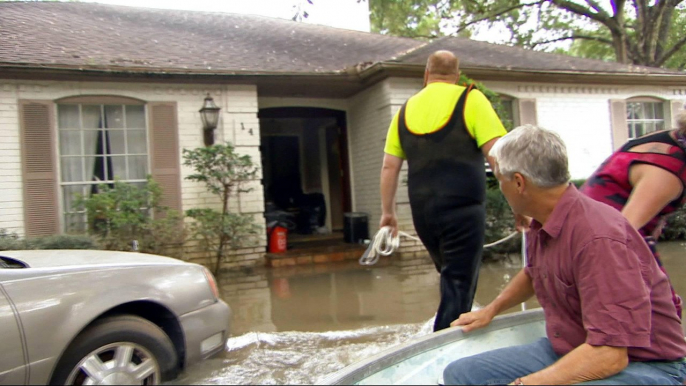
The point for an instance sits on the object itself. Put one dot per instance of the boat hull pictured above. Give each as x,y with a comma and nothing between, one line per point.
421,361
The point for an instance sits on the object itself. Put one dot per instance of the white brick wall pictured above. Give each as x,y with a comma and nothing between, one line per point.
238,120
369,115
11,191
580,113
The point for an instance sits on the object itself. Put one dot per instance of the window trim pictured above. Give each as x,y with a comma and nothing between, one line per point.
100,100
648,99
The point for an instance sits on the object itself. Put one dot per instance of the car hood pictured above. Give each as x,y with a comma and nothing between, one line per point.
81,258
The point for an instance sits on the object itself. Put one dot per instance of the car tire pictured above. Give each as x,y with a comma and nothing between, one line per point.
126,338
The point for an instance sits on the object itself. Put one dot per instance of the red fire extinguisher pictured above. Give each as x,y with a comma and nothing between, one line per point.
278,236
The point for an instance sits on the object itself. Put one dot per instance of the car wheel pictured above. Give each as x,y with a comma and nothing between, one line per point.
118,350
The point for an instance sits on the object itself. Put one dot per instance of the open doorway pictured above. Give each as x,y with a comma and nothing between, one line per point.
304,164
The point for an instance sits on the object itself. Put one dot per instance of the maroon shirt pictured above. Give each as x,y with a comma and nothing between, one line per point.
598,283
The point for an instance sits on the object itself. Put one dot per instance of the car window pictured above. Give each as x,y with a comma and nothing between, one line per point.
6,262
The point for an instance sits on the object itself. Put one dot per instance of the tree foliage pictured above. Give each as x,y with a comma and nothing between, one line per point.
638,31
224,173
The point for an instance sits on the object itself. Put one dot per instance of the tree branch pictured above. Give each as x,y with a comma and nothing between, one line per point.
498,13
582,37
679,44
582,11
594,4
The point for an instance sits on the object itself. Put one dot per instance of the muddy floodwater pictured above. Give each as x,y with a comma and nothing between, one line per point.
297,325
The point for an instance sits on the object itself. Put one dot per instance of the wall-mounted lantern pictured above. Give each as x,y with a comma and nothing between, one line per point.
209,113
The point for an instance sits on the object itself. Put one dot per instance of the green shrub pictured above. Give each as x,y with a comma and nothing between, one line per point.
676,226
11,241
579,182
121,213
62,242
499,224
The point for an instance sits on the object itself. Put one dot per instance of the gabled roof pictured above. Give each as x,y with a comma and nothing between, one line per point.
477,54
91,35
95,41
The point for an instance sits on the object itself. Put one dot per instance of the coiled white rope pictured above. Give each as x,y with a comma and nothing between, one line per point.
384,244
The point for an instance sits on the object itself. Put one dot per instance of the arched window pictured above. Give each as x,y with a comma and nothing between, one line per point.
644,115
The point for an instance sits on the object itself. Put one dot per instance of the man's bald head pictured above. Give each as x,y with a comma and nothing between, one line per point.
442,66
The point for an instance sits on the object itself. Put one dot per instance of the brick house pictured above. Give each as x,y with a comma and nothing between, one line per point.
311,104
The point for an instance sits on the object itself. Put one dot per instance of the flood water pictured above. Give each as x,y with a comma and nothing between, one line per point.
296,325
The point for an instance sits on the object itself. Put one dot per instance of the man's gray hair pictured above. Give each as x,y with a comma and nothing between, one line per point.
538,154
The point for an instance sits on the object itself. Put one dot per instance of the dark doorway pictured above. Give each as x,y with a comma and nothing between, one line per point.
281,169
305,163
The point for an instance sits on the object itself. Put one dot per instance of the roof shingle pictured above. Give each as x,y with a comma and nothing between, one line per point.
129,39
98,35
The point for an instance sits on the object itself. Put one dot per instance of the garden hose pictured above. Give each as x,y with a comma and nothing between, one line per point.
384,244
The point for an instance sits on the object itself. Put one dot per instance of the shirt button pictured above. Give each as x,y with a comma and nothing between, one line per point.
545,275
556,334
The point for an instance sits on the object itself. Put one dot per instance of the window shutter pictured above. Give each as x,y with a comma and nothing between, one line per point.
41,208
164,149
527,112
620,128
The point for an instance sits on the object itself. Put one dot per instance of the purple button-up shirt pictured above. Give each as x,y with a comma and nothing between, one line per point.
598,283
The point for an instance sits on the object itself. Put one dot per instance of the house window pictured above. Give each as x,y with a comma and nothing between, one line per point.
644,116
507,112
98,143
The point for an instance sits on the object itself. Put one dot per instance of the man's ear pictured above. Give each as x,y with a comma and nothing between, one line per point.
520,182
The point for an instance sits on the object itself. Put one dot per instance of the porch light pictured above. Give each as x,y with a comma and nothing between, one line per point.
209,113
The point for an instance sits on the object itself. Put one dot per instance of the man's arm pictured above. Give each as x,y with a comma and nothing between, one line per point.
486,149
645,202
517,291
584,363
389,185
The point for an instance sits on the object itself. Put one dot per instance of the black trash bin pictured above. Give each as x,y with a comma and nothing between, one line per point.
355,227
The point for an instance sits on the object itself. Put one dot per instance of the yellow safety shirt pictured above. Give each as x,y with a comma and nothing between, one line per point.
431,108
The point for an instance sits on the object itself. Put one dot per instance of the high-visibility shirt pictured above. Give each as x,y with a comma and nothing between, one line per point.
431,108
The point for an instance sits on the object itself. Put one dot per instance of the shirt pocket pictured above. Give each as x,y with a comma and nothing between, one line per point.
568,293
538,276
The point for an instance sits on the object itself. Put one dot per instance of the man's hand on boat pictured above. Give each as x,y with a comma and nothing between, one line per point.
474,320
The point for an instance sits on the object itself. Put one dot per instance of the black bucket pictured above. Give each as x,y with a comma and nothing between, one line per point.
355,227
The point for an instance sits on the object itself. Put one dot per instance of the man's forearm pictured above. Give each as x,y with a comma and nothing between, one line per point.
519,290
389,185
584,363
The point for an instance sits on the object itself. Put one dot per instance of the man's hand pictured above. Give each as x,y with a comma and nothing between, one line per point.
522,222
389,220
474,320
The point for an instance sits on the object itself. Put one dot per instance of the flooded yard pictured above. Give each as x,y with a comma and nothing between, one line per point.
297,325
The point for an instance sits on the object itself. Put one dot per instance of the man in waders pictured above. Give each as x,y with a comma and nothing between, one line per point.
444,132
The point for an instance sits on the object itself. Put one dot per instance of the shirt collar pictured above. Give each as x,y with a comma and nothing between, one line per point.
557,218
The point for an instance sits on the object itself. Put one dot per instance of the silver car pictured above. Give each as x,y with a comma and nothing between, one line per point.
98,317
